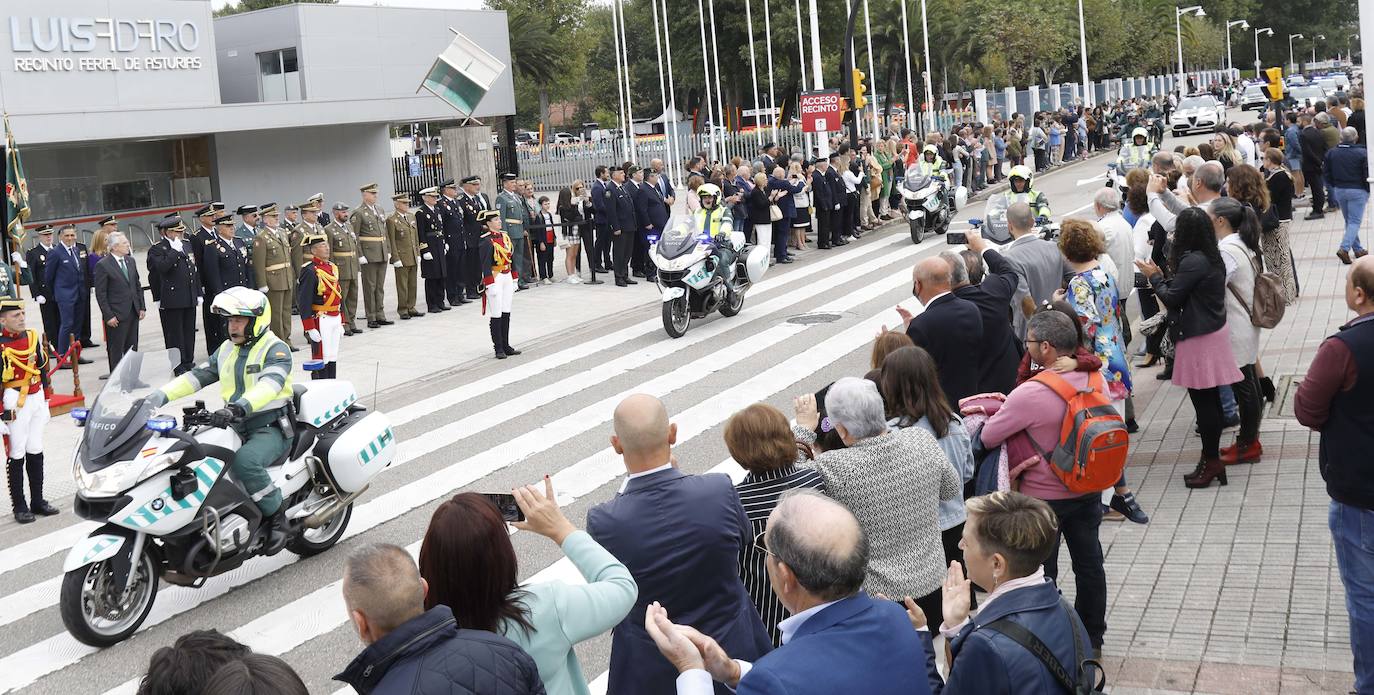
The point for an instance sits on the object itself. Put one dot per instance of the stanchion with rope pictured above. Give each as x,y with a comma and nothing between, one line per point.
61,403
588,244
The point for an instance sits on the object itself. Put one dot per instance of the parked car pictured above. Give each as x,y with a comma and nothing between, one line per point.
1253,98
565,138
1305,96
1197,113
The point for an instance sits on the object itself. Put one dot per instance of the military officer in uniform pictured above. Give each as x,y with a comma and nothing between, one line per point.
226,265
369,227
620,208
175,281
499,276
37,260
475,201
451,212
203,236
429,227
24,411
511,204
343,249
405,252
290,223
272,268
317,294
248,222
291,216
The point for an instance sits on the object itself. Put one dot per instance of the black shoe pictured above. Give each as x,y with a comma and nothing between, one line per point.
416,314
443,307
405,317
83,360
24,517
472,297
1129,508
44,508
349,331
1166,375
787,260
385,322
500,355
463,300
1314,215
631,282
603,271
1132,426
89,344
356,329
621,283
372,324
295,349
1267,388
278,534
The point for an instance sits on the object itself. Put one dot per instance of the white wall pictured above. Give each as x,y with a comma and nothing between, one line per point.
287,165
240,38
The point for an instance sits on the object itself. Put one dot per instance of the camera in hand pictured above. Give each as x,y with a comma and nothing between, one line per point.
510,510
956,238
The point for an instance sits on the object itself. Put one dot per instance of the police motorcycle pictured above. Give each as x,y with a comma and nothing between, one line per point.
171,507
993,224
926,203
689,276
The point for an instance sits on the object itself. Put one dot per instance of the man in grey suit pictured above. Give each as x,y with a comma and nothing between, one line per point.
1038,263
119,292
680,535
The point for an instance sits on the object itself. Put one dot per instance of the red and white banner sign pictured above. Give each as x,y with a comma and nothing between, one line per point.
820,111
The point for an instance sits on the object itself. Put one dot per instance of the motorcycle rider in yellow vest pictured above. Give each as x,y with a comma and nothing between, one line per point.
1137,154
716,222
1022,192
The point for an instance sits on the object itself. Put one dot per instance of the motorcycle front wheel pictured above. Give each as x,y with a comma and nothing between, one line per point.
676,317
918,230
96,612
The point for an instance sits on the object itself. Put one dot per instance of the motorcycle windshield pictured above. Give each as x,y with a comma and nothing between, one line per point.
915,182
119,412
995,218
681,237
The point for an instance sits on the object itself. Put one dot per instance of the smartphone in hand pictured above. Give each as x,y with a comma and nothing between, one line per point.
510,511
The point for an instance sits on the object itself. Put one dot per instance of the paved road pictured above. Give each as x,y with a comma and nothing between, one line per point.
485,425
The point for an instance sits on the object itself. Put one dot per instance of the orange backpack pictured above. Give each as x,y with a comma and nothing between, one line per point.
1092,442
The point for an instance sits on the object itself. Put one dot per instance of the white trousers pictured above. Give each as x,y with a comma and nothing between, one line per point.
500,295
26,431
765,234
331,332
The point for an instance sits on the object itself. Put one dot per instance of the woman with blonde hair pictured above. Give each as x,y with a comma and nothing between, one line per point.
1224,147
801,220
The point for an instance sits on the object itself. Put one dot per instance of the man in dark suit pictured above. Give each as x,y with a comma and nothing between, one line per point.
824,201
37,260
119,293
839,221
601,250
950,329
175,281
620,209
451,217
65,277
657,211
837,640
991,292
664,186
680,536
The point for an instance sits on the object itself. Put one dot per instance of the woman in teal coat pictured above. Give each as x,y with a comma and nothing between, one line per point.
470,566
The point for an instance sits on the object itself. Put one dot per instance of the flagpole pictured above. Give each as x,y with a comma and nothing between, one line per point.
706,83
662,87
753,69
619,84
629,102
773,113
715,62
676,169
801,68
872,75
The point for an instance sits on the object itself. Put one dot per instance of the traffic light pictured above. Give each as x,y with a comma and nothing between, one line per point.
1273,87
859,90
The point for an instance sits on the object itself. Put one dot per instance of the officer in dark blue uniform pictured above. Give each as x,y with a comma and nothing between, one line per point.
429,226
202,236
226,265
621,210
175,281
474,201
451,217
37,260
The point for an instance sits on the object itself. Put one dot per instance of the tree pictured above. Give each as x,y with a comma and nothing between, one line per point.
250,5
543,46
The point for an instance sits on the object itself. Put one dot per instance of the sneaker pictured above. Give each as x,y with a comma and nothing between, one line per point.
1129,508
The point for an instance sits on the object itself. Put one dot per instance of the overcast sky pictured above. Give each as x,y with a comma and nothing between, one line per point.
442,4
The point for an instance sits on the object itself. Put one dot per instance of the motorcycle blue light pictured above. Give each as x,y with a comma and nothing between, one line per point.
653,238
80,414
975,221
161,423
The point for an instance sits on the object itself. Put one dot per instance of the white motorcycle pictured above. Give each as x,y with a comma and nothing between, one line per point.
925,200
172,508
993,224
691,284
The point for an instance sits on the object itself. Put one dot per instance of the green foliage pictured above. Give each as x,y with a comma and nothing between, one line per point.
250,5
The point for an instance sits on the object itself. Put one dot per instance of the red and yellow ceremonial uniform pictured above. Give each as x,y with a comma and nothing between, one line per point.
319,299
498,285
24,414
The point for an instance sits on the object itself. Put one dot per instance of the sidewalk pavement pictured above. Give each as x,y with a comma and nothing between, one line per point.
1233,589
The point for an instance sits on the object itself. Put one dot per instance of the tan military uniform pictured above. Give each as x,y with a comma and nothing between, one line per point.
343,251
369,227
404,240
272,269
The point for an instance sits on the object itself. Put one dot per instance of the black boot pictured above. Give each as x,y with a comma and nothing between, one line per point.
333,370
497,343
505,336
14,469
34,466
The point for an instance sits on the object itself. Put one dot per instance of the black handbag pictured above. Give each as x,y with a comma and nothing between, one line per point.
1085,685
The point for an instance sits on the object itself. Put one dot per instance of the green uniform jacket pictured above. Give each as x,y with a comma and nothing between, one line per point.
513,210
343,250
272,260
403,238
370,229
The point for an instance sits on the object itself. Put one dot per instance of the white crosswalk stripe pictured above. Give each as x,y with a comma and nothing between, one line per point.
734,342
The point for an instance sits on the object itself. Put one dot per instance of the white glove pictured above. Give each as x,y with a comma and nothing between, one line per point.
263,288
4,429
362,260
396,264
837,206
11,399
200,301
17,257
427,256
42,299
313,335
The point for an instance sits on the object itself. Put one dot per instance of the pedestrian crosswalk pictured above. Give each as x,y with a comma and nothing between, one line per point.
554,406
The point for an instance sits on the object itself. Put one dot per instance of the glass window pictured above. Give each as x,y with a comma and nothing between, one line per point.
279,75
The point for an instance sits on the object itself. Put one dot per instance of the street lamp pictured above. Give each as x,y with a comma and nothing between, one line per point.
1267,32
1230,65
1291,64
1315,39
1197,11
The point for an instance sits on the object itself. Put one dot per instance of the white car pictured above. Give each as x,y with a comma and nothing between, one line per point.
1306,95
1198,113
1253,98
565,138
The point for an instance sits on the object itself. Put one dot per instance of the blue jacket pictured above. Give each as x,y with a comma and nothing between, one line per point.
987,662
599,201
66,275
430,655
620,207
680,536
856,645
1346,167
785,203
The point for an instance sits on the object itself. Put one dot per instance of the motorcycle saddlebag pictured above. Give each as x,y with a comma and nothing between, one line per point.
356,448
756,263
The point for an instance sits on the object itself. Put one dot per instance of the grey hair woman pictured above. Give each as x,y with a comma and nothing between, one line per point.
893,482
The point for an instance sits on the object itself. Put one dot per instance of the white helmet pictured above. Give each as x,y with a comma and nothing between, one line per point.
245,301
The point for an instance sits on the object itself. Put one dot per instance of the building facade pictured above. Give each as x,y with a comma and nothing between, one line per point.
142,107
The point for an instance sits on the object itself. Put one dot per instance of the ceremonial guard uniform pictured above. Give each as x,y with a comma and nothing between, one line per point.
318,296
369,226
405,254
429,226
272,257
499,276
37,260
175,282
476,201
451,212
226,265
25,409
203,236
343,250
